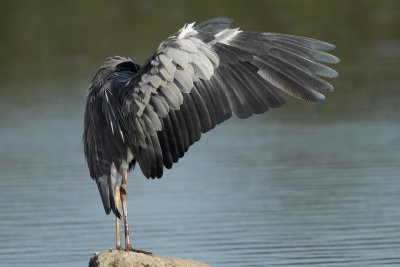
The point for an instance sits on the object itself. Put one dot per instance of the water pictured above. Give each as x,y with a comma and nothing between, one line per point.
305,185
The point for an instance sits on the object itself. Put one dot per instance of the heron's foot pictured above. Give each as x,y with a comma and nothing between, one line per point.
139,251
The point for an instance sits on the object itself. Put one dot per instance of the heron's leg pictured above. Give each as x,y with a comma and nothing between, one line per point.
117,198
124,191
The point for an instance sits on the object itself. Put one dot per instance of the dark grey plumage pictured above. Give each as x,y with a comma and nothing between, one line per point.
197,79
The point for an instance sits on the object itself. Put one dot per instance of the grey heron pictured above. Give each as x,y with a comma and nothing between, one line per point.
198,77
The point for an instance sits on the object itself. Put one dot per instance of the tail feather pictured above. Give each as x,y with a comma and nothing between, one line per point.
106,190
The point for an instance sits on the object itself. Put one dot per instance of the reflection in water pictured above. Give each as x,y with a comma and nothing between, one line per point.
308,184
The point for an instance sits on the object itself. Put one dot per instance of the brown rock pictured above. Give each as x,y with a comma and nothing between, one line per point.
120,258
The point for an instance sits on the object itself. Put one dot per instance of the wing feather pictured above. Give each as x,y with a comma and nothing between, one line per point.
238,98
303,63
159,107
183,80
209,102
184,129
203,74
190,114
201,109
164,143
255,100
175,124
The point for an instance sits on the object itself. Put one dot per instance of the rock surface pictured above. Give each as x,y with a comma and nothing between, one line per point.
120,258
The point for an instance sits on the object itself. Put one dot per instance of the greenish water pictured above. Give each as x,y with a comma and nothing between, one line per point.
304,185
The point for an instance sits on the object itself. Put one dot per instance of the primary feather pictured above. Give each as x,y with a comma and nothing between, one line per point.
197,79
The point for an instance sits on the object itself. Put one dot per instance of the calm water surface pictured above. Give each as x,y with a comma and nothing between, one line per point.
307,185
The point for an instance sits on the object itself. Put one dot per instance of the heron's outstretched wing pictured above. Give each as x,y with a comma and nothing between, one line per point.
202,74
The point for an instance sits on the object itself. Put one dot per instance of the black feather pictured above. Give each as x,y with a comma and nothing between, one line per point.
191,118
164,144
201,109
208,101
180,143
184,129
171,138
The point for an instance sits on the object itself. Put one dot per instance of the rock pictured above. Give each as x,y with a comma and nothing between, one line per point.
120,258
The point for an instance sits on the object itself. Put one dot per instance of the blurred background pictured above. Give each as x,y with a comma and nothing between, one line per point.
306,184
